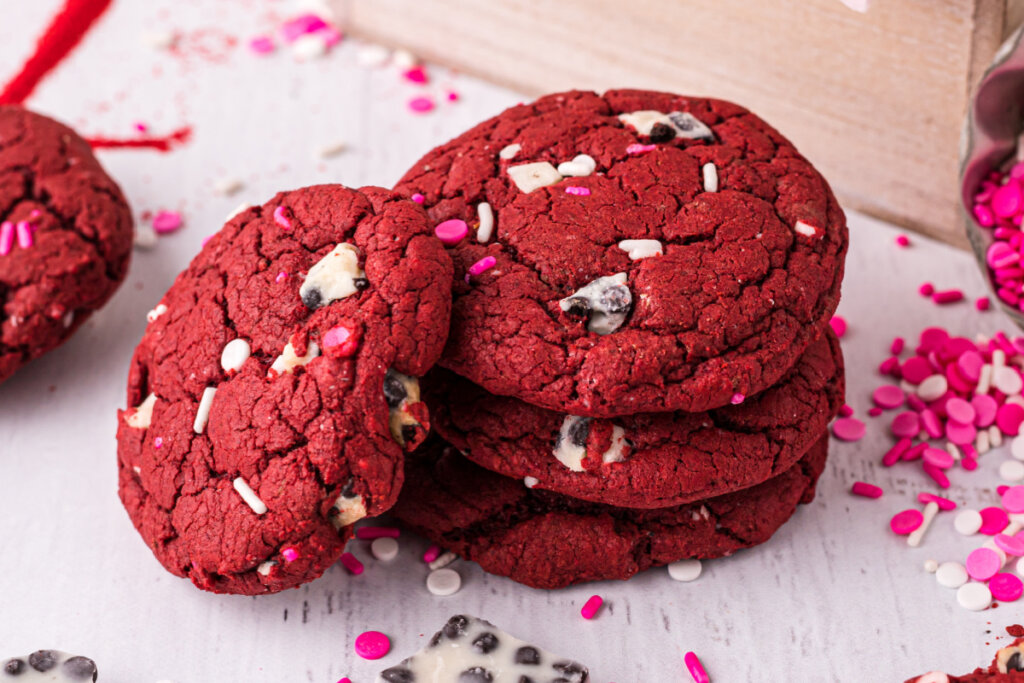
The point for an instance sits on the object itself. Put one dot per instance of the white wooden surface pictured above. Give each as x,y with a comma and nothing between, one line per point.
833,597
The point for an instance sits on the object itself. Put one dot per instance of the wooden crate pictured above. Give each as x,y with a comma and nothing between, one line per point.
876,99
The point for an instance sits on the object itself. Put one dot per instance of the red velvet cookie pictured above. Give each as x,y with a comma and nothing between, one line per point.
631,252
649,460
65,235
547,540
1006,667
275,387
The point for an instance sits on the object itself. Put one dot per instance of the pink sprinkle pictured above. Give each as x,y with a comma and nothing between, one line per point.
897,345
262,45
637,148
890,366
861,488
993,521
290,554
484,264
845,410
984,216
368,533
943,503
737,399
205,240
6,237
281,218
293,29
948,296
591,606
1009,418
939,458
140,126
927,289
433,552
451,231
983,563
937,475
848,429
345,680
916,452
1013,499
158,442
838,324
578,191
907,424
915,370
875,412
372,645
281,277
960,411
351,563
985,410
902,241
982,303
166,221
903,523
451,95
1010,545
695,668
893,455
418,198
969,364
421,104
931,423
969,464
415,75
1006,587
1007,200
888,396
330,35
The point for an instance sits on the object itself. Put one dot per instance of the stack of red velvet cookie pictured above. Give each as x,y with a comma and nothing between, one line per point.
639,368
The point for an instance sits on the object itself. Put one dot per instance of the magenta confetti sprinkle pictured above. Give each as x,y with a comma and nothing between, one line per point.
993,521
166,221
888,396
6,237
289,554
451,231
1012,499
637,148
418,198
1006,587
372,645
281,217
982,303
262,45
905,522
927,289
737,399
848,429
907,424
421,104
902,241
838,324
415,75
983,563
578,191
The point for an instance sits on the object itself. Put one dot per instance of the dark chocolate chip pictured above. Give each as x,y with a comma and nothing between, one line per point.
394,390
525,679
436,639
527,654
312,298
476,674
398,674
579,307
456,626
571,672
14,667
43,660
80,668
662,132
616,299
1015,662
360,283
485,642
579,430
409,433
349,489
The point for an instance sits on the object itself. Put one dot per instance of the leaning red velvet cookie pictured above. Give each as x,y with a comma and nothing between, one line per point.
648,460
547,540
1006,667
65,235
275,387
631,252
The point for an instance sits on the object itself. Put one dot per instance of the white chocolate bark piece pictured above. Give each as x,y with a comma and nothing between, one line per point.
530,177
664,127
571,443
336,276
143,414
639,249
471,650
605,303
49,665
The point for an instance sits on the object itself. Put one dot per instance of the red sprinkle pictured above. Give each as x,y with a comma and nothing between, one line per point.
861,488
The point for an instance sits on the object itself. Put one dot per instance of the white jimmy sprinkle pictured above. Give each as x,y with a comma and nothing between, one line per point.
510,151
234,355
203,413
228,186
485,214
582,165
332,149
530,177
805,229
443,560
238,209
710,174
249,496
145,236
640,249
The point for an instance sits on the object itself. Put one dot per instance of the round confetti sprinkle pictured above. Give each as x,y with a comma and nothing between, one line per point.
1011,470
967,522
983,564
1013,499
888,396
372,645
1006,587
993,521
938,458
960,411
906,425
444,582
849,429
421,104
931,566
1020,567
685,570
166,221
451,231
384,548
974,596
838,324
951,575
905,522
1017,447
1009,418
431,554
1011,545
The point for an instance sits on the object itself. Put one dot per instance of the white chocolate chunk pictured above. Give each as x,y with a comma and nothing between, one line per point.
509,151
265,567
485,214
684,124
805,229
156,312
400,391
1004,656
644,121
145,236
143,414
571,443
350,509
606,302
581,166
710,174
203,413
530,482
336,276
638,249
234,355
616,451
689,126
249,496
530,177
289,360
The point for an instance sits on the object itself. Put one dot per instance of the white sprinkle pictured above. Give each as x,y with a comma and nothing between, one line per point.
861,6
143,414
1017,447
530,177
288,360
228,186
373,55
932,388
710,177
404,60
331,150
974,596
485,214
984,380
931,566
967,522
995,436
443,560
640,249
1015,399
1012,471
981,442
509,151
954,450
249,496
159,40
67,319
907,387
309,46
998,362
145,236
234,355
203,413
1020,566
581,166
1006,379
238,209
384,548
444,582
805,229
930,510
136,469
265,567
156,312
685,570
530,482
951,575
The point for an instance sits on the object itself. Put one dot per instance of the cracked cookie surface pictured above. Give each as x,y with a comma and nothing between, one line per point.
65,236
666,458
747,265
258,428
547,540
